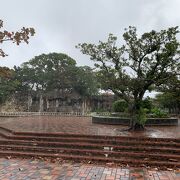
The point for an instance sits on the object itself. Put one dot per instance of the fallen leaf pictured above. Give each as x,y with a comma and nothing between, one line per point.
21,169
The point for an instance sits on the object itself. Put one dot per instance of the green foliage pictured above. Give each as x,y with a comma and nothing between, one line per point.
86,83
51,71
147,104
8,84
158,113
120,106
99,110
141,116
170,98
56,71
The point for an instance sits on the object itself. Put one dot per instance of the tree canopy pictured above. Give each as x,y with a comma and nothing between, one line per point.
142,63
56,71
170,95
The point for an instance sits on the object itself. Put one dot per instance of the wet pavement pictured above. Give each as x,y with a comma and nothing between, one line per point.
23,169
82,125
31,169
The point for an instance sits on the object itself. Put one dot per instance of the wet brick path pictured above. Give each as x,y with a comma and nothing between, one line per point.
23,169
80,125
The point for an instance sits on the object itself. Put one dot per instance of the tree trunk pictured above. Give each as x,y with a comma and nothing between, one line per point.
47,104
135,123
57,105
29,102
84,106
41,103
136,126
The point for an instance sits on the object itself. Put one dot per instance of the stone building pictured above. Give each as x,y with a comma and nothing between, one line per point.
69,102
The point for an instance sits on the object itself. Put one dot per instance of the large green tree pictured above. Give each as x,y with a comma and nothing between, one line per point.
56,71
142,63
46,72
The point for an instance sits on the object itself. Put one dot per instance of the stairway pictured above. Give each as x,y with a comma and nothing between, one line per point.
141,151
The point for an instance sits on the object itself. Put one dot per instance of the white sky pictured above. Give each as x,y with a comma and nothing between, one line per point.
62,24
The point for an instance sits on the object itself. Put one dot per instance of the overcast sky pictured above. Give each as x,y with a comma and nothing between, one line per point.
62,24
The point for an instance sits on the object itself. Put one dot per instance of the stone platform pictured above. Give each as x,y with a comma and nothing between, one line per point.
126,121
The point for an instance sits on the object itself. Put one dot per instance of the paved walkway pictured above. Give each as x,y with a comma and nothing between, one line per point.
25,169
81,125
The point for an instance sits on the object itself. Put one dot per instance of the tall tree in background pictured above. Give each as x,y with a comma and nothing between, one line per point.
16,37
55,73
8,83
86,82
170,96
48,72
142,63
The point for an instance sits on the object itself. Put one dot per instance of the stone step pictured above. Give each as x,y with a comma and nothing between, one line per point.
99,141
118,149
78,145
92,140
51,136
129,138
123,160
90,152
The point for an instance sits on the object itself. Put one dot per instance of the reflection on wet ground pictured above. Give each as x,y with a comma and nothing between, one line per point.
82,125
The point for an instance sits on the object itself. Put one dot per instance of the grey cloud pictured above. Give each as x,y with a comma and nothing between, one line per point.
62,24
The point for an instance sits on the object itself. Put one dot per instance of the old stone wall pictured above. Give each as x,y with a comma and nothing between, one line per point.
57,102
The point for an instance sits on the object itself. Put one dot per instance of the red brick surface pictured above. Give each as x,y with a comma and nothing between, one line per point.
22,169
80,125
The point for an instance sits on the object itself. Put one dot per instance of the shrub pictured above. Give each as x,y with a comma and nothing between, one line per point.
156,112
99,110
120,106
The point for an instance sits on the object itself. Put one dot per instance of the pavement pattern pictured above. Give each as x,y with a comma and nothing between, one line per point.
35,169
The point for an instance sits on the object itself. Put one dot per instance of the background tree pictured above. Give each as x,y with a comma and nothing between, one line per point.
44,73
120,106
143,62
57,73
169,99
48,71
8,84
86,82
